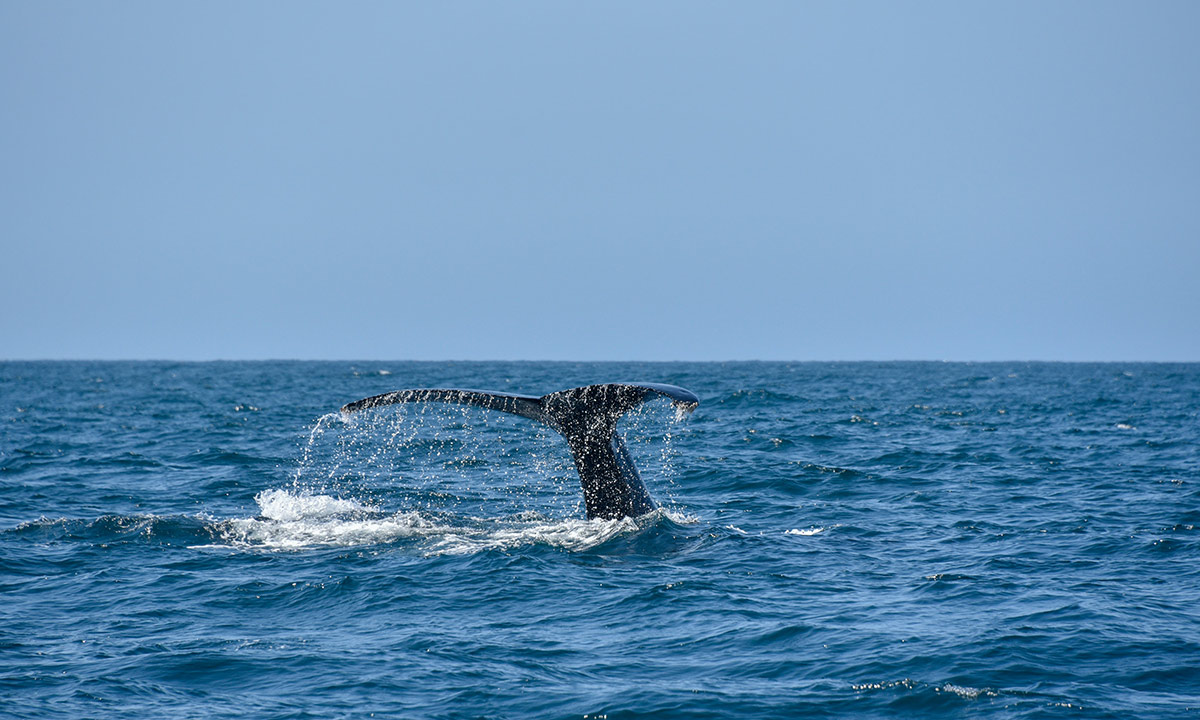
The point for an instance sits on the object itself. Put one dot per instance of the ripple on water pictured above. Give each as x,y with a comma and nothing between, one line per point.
209,541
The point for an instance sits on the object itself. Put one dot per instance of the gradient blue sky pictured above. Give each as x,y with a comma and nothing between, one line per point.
606,180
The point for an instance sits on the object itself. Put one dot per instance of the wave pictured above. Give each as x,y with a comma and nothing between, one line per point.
112,529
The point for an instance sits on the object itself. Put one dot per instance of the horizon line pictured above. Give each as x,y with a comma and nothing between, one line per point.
527,360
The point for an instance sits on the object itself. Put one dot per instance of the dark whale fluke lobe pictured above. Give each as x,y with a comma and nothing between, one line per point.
587,417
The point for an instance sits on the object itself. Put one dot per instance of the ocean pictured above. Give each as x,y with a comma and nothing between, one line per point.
859,540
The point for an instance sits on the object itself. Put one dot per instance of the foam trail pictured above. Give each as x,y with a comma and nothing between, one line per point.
808,531
297,521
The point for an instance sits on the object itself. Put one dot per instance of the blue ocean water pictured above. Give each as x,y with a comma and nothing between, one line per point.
210,540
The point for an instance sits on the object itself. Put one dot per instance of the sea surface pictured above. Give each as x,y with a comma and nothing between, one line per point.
860,540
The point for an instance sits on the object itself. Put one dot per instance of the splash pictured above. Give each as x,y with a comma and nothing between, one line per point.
450,478
284,506
433,457
293,521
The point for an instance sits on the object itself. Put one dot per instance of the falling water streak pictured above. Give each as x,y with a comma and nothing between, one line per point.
438,458
306,453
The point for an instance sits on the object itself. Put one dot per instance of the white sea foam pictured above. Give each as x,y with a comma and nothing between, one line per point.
292,520
807,531
570,534
283,505
970,693
296,520
297,534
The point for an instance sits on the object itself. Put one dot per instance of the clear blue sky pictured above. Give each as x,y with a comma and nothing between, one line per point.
600,180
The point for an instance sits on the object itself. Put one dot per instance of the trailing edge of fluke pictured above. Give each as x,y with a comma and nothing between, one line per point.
587,418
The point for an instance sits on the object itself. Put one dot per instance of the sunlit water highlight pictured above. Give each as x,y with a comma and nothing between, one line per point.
851,540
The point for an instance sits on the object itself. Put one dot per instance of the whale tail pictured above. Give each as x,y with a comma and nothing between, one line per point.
587,417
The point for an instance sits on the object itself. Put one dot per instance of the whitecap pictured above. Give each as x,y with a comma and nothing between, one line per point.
969,693
571,534
808,531
283,505
296,521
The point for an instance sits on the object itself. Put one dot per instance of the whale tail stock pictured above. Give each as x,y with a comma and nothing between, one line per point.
587,417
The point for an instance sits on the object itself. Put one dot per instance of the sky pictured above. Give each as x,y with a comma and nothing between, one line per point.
600,180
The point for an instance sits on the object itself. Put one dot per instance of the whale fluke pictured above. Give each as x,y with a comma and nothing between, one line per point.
587,417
